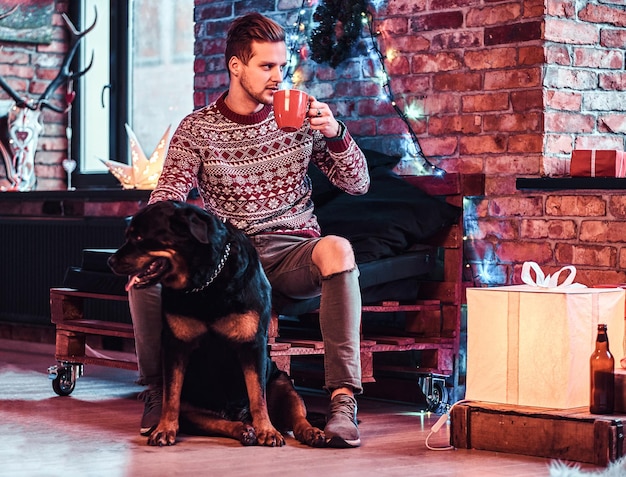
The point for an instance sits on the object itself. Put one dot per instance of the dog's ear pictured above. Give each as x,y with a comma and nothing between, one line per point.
198,228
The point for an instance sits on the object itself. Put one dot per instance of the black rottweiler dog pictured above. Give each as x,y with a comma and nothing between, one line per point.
217,375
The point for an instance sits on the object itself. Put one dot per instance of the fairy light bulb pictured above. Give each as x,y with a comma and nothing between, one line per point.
414,110
391,54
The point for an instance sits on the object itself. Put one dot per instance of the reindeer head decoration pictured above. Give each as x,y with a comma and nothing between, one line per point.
24,121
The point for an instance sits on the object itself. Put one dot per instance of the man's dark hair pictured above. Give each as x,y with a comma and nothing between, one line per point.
248,28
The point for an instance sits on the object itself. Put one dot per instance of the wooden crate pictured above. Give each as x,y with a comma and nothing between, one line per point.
565,434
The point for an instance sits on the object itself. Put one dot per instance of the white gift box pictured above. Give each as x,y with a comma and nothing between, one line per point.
530,345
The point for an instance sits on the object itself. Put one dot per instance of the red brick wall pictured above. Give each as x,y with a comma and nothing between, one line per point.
584,81
583,95
29,68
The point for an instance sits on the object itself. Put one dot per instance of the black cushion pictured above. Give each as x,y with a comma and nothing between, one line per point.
94,274
324,191
388,220
95,259
94,281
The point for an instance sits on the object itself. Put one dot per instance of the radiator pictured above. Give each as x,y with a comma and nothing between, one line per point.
34,254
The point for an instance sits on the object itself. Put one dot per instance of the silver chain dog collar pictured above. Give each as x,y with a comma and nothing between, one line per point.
217,271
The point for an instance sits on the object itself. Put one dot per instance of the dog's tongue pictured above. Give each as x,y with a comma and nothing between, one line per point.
131,282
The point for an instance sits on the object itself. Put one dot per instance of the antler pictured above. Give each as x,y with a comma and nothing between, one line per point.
65,74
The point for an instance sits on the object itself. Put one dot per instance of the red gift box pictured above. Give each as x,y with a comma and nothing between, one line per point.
597,163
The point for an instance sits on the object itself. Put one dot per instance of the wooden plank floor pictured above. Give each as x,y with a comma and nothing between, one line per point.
94,432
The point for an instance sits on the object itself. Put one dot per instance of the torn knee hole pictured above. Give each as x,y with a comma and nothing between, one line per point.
343,272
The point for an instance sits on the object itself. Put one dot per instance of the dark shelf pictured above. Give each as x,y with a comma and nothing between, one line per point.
563,183
99,195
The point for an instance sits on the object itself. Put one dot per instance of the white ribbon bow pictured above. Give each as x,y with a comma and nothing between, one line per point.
549,281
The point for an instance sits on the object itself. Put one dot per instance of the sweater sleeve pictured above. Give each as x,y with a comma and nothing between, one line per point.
341,160
181,165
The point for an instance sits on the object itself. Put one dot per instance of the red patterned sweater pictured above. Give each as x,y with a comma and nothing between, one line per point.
253,174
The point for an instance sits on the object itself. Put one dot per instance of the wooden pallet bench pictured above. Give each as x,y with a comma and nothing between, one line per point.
67,308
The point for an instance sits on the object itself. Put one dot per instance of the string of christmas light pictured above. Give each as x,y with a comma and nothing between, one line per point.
297,50
295,40
386,85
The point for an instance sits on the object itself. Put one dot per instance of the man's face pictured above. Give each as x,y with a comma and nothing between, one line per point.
261,77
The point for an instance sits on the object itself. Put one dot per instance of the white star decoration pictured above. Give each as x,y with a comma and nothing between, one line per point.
143,173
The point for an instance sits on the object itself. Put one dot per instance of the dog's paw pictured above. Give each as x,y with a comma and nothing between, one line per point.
311,436
162,437
270,437
248,436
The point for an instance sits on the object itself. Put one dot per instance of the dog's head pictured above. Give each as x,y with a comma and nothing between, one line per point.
163,243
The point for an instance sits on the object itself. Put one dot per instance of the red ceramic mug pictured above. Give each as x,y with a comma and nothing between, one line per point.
290,107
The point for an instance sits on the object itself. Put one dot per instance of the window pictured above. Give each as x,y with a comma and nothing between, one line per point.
142,74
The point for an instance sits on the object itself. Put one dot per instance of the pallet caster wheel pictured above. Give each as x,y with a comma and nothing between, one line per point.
434,388
438,398
64,378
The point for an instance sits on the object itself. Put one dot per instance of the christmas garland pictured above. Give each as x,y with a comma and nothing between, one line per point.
339,29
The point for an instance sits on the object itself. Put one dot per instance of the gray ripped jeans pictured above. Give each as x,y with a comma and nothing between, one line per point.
287,262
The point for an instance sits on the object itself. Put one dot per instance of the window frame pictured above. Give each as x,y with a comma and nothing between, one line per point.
119,87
